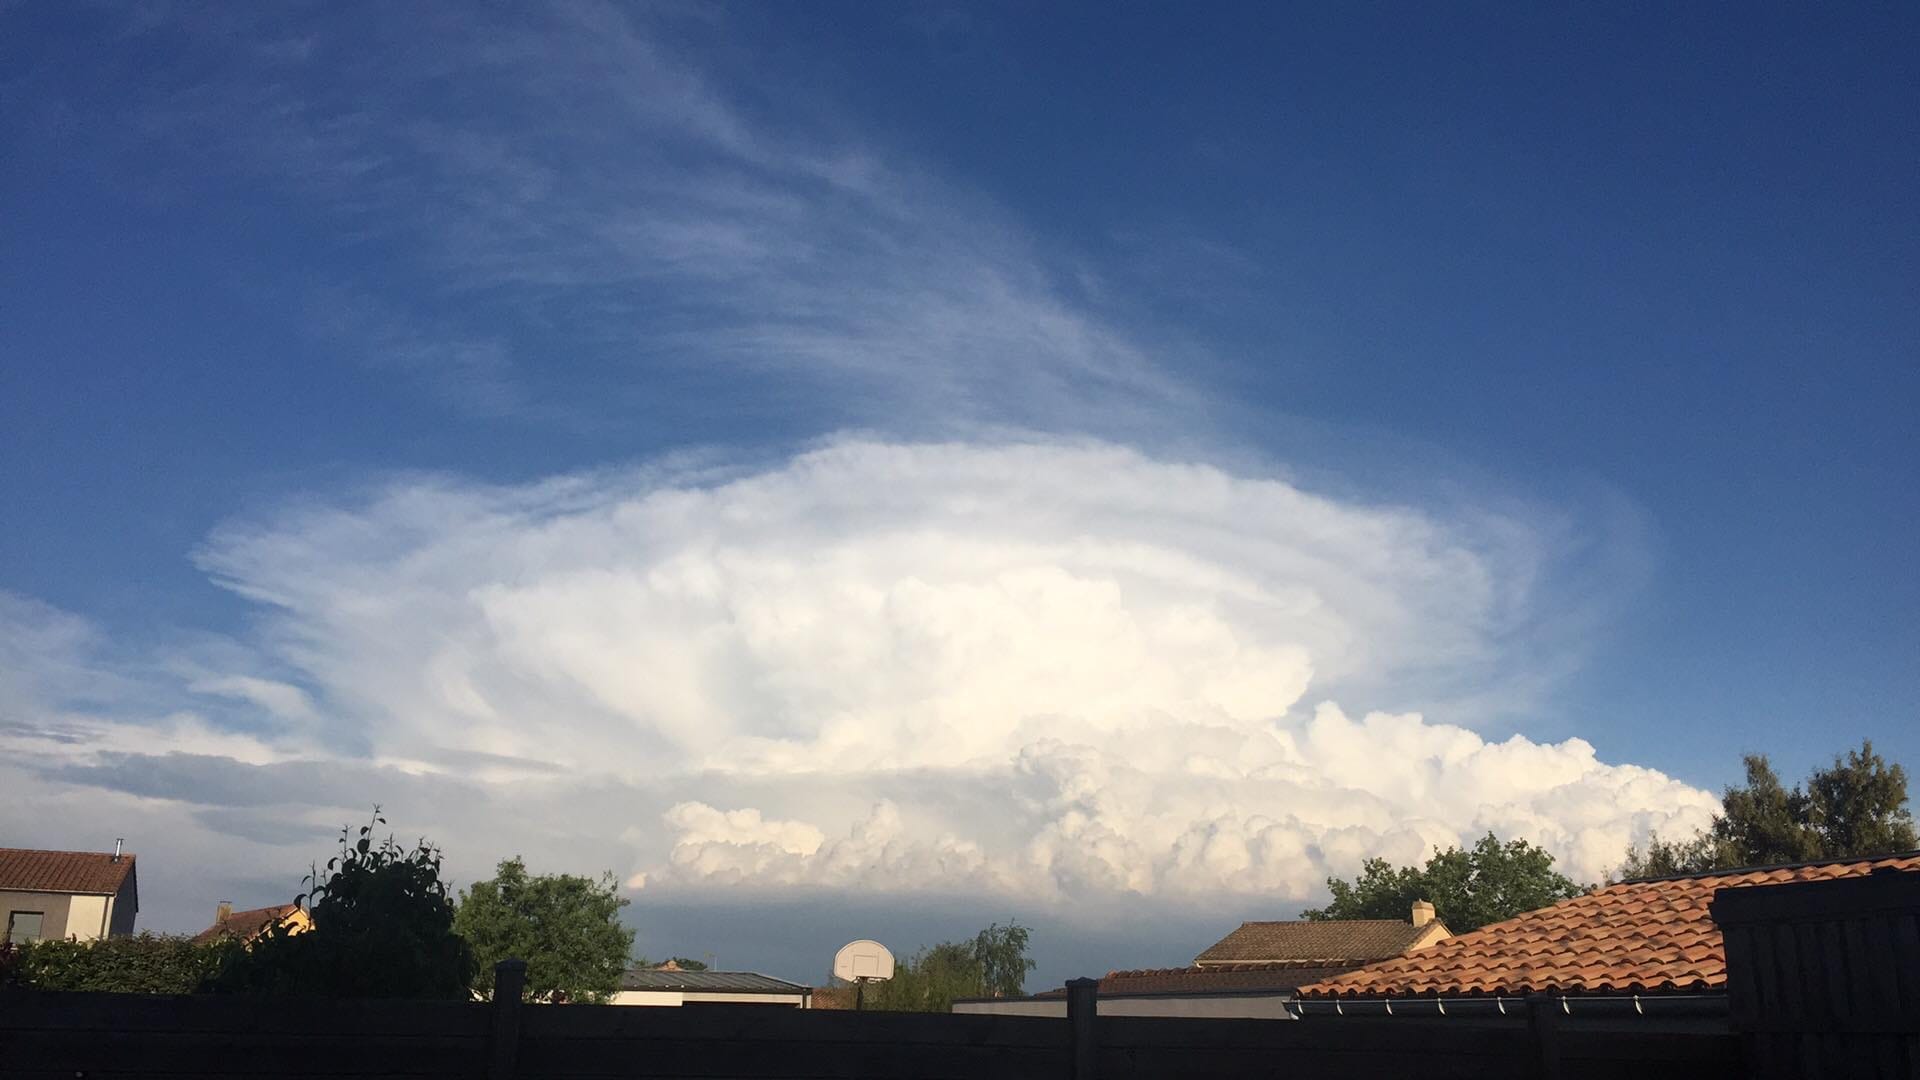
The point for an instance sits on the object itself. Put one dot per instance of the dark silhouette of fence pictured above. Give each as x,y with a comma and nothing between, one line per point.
47,1035
1823,977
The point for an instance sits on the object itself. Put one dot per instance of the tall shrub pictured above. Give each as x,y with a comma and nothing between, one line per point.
382,928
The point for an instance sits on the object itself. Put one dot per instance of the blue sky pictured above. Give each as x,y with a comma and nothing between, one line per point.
1553,373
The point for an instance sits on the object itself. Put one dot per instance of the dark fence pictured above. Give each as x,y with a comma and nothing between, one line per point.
47,1035
1823,977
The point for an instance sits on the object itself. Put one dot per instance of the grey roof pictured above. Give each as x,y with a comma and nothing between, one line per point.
719,982
1332,940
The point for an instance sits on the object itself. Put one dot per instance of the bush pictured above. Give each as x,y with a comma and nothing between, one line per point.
382,928
146,964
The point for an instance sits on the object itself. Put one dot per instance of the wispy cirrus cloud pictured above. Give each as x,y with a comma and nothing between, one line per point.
555,190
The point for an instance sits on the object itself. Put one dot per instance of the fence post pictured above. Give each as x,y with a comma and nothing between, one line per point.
1543,1019
509,980
1083,1007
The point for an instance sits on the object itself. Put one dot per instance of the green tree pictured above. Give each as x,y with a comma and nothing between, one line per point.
1001,952
1664,858
382,928
1763,821
1857,807
1487,883
993,964
567,928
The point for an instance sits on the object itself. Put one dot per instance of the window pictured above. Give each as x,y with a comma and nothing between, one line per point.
24,926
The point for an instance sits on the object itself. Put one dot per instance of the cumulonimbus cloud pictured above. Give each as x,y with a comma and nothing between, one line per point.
1039,668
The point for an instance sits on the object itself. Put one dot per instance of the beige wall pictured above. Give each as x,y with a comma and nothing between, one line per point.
53,905
74,916
87,917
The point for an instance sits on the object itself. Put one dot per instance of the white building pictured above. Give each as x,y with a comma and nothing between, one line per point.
670,986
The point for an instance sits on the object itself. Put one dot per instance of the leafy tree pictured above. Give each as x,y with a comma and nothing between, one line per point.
1470,888
1001,952
1663,858
143,964
1859,806
993,964
567,928
1764,820
382,928
1854,808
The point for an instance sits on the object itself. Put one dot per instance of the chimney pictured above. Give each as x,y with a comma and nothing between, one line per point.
117,842
1422,913
221,911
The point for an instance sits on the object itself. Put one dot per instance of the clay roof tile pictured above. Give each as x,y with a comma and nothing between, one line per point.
1632,937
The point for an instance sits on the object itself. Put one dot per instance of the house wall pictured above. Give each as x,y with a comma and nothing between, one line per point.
126,906
87,917
53,905
684,997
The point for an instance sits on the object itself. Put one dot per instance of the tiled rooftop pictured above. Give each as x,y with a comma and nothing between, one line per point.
94,873
1635,937
1279,978
245,925
1329,942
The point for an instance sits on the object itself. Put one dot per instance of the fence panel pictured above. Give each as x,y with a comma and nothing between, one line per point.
1823,977
47,1035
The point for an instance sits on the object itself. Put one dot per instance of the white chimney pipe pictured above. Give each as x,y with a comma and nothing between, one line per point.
117,841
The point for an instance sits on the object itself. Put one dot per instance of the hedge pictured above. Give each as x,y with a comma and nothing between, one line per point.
145,964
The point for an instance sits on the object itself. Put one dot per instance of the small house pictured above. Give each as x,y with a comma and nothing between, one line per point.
56,895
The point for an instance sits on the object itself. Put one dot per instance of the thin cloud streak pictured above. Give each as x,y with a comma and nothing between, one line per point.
558,178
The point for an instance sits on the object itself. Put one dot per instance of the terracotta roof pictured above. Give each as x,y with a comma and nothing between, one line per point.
1331,942
1279,977
246,925
1635,937
93,873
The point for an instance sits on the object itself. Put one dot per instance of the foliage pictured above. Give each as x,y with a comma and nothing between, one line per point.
382,928
1486,883
681,962
9,964
993,964
567,928
1001,952
145,964
1854,808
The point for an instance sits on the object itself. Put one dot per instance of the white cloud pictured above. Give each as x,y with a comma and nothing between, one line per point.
1037,668
283,700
